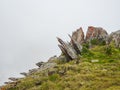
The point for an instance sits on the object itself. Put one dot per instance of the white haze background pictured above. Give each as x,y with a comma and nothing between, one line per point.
28,28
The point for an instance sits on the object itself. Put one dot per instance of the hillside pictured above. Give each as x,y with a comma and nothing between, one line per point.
86,63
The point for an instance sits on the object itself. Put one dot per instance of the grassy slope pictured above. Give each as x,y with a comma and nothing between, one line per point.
87,75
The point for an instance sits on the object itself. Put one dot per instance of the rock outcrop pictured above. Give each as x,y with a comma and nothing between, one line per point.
72,49
115,36
96,33
45,66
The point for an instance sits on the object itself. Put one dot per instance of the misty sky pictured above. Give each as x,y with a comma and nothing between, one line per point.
28,28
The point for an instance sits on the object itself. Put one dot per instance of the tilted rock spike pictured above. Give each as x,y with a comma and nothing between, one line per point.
67,49
76,45
65,53
60,41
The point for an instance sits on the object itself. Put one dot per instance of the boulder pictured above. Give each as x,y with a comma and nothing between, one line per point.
46,65
115,36
96,33
78,35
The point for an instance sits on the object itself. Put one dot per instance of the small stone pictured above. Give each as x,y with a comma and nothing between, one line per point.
94,61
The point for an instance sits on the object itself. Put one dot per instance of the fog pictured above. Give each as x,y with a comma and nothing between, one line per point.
28,28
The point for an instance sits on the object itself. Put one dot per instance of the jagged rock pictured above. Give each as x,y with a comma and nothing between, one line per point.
13,79
33,71
96,32
78,35
46,66
24,73
72,49
115,36
67,50
53,58
39,64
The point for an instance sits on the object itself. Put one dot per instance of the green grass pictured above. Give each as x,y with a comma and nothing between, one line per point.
87,75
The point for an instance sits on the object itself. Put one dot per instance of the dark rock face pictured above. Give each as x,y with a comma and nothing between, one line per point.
115,36
96,32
